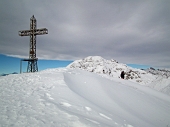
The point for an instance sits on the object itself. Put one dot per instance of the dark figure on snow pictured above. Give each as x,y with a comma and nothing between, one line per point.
122,75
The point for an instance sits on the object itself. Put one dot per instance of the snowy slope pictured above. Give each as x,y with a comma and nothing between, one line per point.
75,98
161,84
156,79
162,81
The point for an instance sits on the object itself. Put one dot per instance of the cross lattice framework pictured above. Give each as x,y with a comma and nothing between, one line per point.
32,61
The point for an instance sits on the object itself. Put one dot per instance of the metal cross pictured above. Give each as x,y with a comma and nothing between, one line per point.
32,61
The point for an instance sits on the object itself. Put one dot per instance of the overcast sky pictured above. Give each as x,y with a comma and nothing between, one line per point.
129,31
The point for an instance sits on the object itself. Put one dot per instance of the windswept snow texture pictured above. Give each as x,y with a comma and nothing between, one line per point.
75,98
156,79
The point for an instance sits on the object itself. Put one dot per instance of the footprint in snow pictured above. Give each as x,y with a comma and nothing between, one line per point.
93,121
88,108
65,104
105,116
48,96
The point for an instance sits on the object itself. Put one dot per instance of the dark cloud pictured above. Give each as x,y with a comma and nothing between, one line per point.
128,31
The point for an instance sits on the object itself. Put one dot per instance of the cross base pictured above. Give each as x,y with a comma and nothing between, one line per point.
32,65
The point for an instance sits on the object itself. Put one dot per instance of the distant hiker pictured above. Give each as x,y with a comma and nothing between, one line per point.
122,75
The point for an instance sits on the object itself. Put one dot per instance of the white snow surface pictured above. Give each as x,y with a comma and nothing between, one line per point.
67,97
156,79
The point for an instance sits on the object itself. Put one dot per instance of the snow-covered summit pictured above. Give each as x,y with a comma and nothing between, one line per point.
111,68
157,79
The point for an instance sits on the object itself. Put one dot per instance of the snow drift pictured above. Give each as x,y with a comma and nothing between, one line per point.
75,98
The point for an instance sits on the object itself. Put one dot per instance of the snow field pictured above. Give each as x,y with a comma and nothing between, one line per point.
75,98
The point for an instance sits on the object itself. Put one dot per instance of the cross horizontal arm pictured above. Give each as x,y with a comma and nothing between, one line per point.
41,31
35,32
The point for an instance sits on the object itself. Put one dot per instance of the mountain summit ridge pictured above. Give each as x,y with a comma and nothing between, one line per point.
112,69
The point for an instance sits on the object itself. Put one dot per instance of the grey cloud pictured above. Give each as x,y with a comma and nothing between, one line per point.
128,31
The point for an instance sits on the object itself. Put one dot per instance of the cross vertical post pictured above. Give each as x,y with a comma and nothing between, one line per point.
32,61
